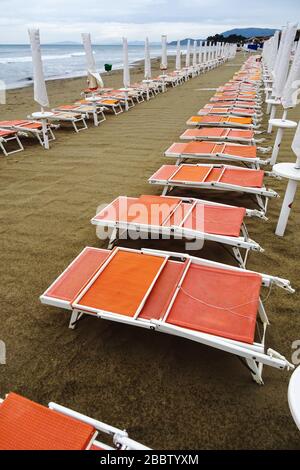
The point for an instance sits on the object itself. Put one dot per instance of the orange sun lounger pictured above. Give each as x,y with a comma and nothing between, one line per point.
29,128
7,136
173,293
182,218
210,109
221,103
220,134
26,425
218,177
94,112
76,119
222,121
236,95
112,104
246,154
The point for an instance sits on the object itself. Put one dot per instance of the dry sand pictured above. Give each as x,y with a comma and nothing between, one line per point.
168,392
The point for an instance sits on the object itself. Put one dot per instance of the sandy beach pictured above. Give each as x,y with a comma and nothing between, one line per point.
167,392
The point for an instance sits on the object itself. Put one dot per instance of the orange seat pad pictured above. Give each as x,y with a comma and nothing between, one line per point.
191,173
123,284
219,302
161,295
76,276
26,425
216,119
216,220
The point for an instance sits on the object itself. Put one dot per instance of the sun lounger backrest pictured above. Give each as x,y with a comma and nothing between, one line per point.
26,425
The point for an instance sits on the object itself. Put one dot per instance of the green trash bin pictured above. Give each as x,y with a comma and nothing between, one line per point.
107,67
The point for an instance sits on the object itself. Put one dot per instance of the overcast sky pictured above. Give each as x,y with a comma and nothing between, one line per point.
108,21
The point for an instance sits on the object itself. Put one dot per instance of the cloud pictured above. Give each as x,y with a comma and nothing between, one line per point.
108,21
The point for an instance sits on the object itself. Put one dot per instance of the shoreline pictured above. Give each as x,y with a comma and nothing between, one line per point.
116,67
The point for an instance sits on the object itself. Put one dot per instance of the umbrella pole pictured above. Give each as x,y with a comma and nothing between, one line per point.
45,131
272,116
276,147
286,207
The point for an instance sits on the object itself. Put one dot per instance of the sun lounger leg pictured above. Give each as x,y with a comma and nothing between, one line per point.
3,149
238,256
51,134
45,134
39,139
261,203
165,190
74,319
256,370
113,237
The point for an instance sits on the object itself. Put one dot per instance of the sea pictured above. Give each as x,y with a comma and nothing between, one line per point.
63,61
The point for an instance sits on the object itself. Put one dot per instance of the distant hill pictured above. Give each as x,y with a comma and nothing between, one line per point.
184,42
64,43
249,32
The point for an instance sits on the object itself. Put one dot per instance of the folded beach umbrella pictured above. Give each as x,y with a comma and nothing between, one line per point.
94,77
273,51
281,68
126,73
289,97
164,57
178,56
200,50
147,60
188,54
195,54
40,90
205,52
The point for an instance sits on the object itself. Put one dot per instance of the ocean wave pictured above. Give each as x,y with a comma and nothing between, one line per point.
17,60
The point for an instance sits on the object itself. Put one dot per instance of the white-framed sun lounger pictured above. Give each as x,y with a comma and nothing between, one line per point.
246,154
92,111
217,176
6,137
113,104
174,293
182,218
76,119
29,128
27,425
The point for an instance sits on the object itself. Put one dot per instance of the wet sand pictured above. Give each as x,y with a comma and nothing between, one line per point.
167,392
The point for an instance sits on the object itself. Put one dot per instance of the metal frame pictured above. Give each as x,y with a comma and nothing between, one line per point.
72,119
254,354
4,140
